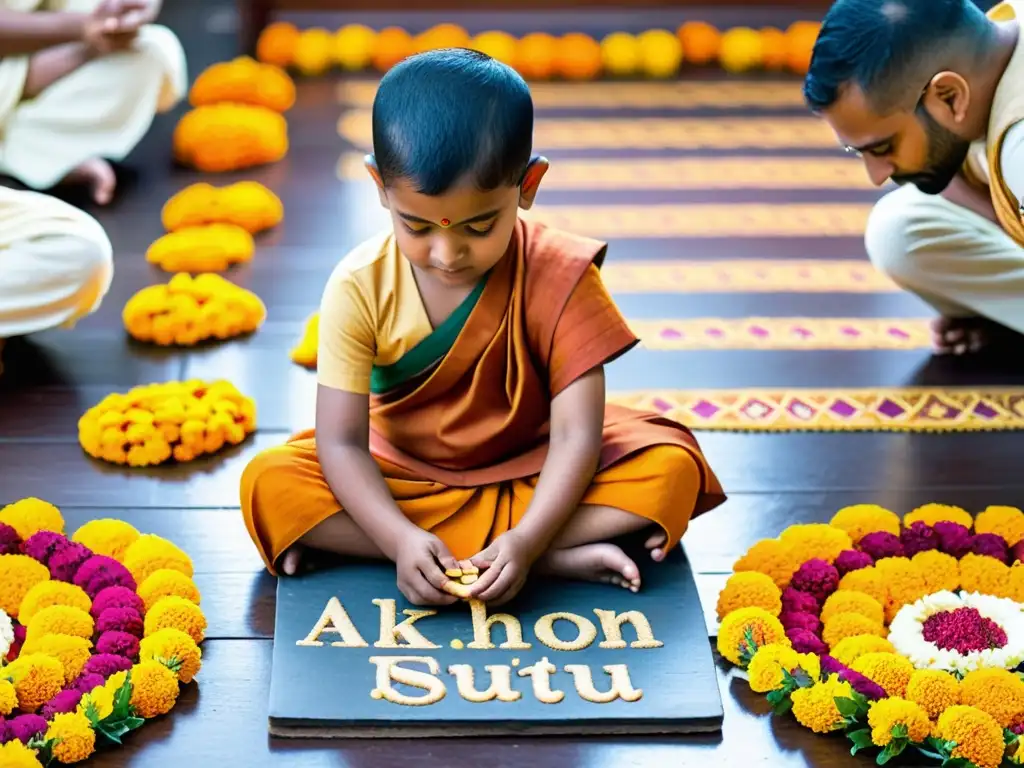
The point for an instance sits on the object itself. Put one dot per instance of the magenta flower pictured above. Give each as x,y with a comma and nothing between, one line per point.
794,601
861,684
106,664
64,702
1018,728
818,577
954,539
5,734
919,537
86,681
807,621
118,643
41,546
881,544
24,727
806,642
99,572
120,620
852,560
1017,552
65,563
20,631
116,597
990,544
963,630
10,542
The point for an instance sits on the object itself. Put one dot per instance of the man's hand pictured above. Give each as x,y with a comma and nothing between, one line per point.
422,559
504,567
114,24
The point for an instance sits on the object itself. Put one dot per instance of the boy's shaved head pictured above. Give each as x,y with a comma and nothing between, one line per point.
451,116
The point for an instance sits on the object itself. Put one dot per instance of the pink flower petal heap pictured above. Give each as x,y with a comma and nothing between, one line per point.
120,620
795,601
10,543
118,643
116,597
882,544
853,560
99,572
919,537
963,630
954,539
817,577
990,544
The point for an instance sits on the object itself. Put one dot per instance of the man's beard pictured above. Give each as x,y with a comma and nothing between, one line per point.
946,155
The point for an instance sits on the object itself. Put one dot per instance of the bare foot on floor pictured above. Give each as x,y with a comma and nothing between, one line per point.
656,544
959,335
601,562
291,560
98,175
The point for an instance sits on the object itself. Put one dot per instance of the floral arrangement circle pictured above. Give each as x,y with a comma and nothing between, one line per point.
902,633
153,423
99,631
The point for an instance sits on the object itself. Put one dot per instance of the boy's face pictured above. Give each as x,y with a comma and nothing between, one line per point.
455,238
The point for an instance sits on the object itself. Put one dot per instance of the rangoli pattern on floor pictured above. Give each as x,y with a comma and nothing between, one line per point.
792,333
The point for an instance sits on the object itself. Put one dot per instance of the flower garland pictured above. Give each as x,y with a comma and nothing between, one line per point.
900,633
98,632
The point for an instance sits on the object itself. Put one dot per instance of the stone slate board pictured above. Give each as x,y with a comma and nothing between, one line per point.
325,692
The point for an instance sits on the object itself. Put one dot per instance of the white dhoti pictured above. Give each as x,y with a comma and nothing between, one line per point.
55,263
959,262
102,109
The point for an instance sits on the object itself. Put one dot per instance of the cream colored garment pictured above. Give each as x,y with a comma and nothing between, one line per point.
55,263
103,109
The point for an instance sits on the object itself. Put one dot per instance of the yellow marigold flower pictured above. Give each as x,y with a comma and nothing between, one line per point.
772,558
154,689
843,625
930,514
74,738
816,540
984,574
1015,583
850,601
244,80
115,682
815,707
246,204
811,664
746,589
71,651
305,351
934,689
735,633
175,650
37,678
59,620
99,698
152,553
996,691
277,43
167,581
107,536
8,697
230,137
866,580
765,670
314,53
1007,522
861,519
205,248
179,613
18,574
32,515
940,571
49,593
903,580
849,649
886,714
977,735
889,670
14,754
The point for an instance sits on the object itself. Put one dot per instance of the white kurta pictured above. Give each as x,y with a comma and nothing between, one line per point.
103,109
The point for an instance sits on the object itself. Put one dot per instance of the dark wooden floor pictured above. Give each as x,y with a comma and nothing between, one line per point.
774,480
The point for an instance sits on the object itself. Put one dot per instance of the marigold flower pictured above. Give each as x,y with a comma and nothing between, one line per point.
934,689
74,738
10,541
862,685
852,560
886,714
815,707
106,536
32,515
70,650
1005,522
866,580
117,597
116,680
64,702
806,642
881,545
99,698
229,137
773,558
14,754
166,581
818,577
996,691
246,204
99,572
153,553
179,613
795,601
977,735
37,678
735,632
850,601
59,620
154,689
766,667
119,643
18,574
843,625
991,545
8,697
954,539
120,620
816,541
304,352
980,573
204,248
919,537
746,589
889,670
852,648
175,650
106,664
904,582
243,80
49,593
930,514
277,43
861,519
940,571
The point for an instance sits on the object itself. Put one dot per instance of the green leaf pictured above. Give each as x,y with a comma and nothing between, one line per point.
801,679
92,712
846,706
861,740
44,748
113,730
174,663
899,731
123,699
748,647
958,762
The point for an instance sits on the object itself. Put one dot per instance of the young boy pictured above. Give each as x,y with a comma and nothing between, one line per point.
461,398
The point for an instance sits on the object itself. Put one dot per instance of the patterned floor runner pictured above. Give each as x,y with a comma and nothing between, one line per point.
792,333
745,276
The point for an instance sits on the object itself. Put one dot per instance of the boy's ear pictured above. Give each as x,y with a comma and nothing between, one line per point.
531,181
371,167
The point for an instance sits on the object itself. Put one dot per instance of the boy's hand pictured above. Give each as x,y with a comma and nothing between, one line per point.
114,24
504,567
420,578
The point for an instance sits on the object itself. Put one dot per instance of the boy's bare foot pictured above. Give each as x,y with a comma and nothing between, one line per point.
292,559
656,543
98,175
959,335
601,562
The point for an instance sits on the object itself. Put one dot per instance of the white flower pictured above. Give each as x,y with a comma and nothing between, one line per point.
6,634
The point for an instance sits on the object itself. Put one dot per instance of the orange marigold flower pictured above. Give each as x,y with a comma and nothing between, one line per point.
1015,583
934,689
930,514
984,574
904,581
154,689
18,574
746,589
886,714
107,536
889,670
74,737
179,613
175,650
71,651
8,697
277,43
861,519
14,754
866,580
849,649
32,515
996,691
816,541
305,351
204,248
843,625
49,593
740,633
59,620
977,735
246,204
815,707
230,137
37,678
851,601
1007,522
772,558
152,553
940,571
244,80
167,581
